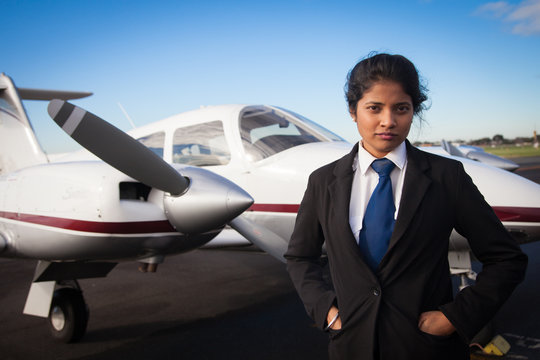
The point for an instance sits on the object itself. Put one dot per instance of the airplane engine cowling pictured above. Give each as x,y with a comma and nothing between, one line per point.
210,202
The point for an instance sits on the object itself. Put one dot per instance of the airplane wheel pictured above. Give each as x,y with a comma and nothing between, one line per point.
68,316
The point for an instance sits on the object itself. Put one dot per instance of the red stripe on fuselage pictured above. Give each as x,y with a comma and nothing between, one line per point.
504,213
517,214
132,227
282,208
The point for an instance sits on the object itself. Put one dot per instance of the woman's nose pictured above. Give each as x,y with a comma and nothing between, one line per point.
388,119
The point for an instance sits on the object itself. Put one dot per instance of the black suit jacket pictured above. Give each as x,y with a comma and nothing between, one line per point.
379,311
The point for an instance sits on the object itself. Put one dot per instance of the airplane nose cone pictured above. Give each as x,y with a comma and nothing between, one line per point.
238,200
209,203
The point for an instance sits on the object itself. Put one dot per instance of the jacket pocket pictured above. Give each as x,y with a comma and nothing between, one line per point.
334,334
437,339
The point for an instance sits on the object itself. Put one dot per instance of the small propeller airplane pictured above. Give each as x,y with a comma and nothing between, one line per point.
474,153
173,186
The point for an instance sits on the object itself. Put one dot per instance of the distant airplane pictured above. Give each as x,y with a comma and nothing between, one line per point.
79,216
472,152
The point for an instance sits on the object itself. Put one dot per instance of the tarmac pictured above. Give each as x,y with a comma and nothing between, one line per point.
233,303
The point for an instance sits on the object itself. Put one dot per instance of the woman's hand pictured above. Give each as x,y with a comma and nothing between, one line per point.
331,315
435,323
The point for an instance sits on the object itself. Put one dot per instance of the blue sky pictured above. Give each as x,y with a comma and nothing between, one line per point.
480,59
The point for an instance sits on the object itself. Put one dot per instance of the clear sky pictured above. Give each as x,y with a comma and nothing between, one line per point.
480,59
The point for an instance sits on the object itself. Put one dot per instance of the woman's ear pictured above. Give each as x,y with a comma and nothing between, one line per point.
353,114
352,111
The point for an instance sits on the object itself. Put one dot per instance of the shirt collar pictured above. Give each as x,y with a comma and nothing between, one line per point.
364,159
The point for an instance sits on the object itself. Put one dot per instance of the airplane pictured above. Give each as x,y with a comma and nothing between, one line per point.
265,151
79,219
474,153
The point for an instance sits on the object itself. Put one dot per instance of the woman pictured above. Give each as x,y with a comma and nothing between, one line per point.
389,295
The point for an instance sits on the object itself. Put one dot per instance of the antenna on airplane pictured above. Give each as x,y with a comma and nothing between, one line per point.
127,115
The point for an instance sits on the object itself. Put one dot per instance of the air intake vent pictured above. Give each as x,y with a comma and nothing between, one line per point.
134,191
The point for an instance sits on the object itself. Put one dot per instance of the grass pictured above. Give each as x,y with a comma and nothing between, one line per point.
510,151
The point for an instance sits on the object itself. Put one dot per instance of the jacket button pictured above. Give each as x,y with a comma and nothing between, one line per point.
376,291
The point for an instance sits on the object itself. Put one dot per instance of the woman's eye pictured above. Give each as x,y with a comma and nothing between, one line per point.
403,108
373,108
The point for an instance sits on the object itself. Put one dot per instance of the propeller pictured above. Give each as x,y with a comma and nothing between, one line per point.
208,200
261,236
116,148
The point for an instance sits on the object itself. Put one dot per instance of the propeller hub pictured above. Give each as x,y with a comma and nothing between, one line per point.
210,202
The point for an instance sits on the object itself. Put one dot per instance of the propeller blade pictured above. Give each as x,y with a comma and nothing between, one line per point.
116,148
261,236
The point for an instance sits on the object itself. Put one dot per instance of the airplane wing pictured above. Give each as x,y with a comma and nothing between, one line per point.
261,236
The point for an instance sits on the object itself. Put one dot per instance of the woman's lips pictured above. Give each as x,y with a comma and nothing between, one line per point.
387,136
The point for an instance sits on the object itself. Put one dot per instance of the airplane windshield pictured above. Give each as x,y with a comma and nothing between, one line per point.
266,131
154,142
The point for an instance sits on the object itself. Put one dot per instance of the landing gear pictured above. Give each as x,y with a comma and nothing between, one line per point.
64,307
68,316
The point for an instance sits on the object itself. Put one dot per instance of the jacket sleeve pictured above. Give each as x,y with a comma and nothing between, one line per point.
304,258
503,262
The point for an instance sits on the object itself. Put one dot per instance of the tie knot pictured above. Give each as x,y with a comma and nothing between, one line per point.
383,167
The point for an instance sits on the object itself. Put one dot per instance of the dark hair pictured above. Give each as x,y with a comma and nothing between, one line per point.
384,67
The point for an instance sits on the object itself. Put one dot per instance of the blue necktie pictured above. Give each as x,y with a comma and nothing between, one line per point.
378,222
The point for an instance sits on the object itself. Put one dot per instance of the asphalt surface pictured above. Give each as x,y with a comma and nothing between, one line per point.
206,304
529,167
214,304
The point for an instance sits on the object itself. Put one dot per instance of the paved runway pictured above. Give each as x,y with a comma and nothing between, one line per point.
212,304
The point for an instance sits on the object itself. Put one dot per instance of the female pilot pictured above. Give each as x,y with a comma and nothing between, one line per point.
385,213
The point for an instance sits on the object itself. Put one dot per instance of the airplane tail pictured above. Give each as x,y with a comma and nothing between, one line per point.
19,146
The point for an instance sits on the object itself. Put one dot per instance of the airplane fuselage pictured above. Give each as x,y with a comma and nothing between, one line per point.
277,182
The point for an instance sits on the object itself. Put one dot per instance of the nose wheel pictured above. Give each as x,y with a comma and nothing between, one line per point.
68,316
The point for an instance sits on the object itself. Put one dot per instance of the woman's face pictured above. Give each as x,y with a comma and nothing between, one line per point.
383,117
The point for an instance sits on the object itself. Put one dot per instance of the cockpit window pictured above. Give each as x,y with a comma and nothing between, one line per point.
267,131
154,142
201,145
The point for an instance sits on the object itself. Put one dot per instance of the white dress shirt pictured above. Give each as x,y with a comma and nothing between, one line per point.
366,179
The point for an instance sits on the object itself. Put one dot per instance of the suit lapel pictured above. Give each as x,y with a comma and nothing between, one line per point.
414,187
340,194
340,188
